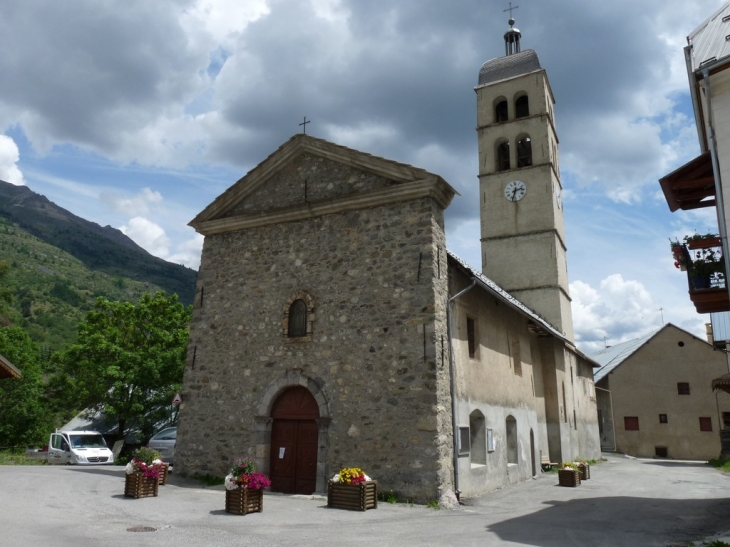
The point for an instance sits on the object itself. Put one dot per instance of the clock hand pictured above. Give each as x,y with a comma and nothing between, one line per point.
514,193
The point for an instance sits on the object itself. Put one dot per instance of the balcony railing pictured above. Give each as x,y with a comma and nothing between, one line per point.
702,259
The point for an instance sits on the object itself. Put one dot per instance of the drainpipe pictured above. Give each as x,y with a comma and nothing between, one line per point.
452,377
716,169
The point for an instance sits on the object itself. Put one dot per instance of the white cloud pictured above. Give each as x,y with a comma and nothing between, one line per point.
148,235
618,311
188,252
137,206
9,157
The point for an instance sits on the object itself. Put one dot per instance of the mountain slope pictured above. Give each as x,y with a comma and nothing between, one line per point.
102,249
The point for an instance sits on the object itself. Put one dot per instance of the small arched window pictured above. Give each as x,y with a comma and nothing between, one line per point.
297,319
500,111
502,156
522,107
524,152
511,424
478,432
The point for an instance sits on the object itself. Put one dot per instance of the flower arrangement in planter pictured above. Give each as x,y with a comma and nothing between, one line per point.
143,474
351,488
245,488
568,474
583,469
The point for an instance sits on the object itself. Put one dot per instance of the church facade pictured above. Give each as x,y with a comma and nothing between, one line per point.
332,328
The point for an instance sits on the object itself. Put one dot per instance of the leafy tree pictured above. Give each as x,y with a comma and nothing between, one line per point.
24,418
128,360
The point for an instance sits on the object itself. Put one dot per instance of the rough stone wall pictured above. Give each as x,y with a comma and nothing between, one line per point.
320,178
377,280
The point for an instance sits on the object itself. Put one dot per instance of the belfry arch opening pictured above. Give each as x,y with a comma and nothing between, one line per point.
522,107
501,155
524,151
500,110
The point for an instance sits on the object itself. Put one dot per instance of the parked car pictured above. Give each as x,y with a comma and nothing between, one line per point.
164,443
78,447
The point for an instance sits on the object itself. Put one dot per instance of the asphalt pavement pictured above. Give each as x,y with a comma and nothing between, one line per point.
626,502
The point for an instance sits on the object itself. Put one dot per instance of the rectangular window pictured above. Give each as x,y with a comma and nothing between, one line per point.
726,420
705,424
661,451
490,441
662,418
600,421
683,388
464,438
631,423
471,336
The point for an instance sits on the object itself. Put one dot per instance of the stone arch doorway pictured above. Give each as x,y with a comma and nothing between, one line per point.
294,441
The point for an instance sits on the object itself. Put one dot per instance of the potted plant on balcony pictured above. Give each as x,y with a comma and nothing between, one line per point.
705,265
245,488
680,255
702,241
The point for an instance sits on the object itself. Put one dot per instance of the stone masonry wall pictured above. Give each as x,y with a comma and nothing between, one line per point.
377,280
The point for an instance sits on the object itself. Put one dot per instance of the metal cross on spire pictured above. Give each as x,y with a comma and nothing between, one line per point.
510,9
304,125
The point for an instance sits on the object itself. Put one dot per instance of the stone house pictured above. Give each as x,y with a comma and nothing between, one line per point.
332,328
655,397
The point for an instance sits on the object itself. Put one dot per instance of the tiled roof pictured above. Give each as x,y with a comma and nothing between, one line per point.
509,66
487,283
613,356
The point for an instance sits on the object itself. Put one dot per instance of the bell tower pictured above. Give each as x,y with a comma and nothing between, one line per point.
522,233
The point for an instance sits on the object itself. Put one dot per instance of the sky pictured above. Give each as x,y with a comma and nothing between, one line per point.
137,114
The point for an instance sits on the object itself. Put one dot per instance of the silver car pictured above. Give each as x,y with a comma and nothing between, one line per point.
164,443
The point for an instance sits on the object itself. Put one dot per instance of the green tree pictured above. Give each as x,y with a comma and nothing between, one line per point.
24,416
128,360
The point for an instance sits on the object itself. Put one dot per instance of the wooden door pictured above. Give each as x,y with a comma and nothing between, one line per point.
294,440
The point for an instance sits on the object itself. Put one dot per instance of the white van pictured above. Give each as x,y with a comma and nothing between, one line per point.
79,447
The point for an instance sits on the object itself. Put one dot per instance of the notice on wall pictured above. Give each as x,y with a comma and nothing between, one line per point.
281,452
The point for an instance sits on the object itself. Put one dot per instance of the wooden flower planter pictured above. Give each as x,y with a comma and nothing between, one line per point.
356,497
137,485
164,469
568,477
243,501
585,472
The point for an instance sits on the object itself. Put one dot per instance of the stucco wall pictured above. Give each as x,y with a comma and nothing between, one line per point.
645,385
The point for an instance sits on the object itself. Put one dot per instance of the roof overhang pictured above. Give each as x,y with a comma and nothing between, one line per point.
691,186
7,369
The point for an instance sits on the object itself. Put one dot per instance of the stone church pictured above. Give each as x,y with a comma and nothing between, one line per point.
333,328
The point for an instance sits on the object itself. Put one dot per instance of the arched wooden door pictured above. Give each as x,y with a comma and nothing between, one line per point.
293,459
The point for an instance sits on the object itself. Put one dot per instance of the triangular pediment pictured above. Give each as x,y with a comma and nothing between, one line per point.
309,177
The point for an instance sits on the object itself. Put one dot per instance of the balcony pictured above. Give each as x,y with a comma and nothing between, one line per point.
701,257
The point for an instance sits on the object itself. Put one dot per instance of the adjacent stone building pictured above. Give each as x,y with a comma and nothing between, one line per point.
655,397
332,327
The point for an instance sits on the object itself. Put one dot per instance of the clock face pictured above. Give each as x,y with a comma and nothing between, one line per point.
515,190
